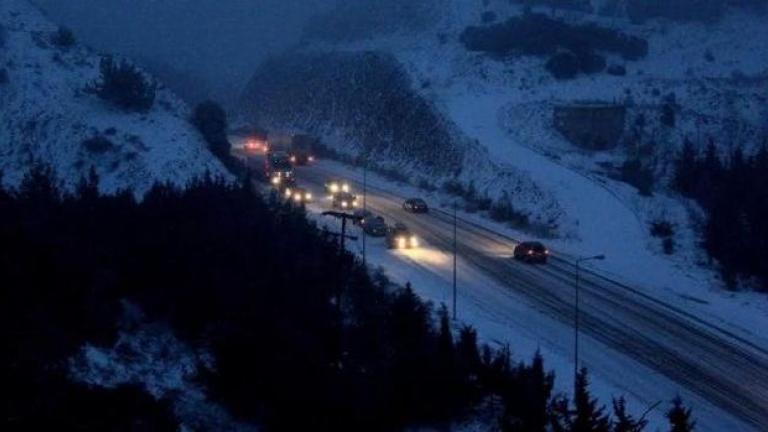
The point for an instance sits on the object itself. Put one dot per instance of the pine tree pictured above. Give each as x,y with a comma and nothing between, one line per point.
211,120
124,85
445,337
623,421
467,351
685,169
680,417
537,386
708,176
587,416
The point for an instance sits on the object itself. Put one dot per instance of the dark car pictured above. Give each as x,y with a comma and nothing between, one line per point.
344,200
361,216
374,226
400,237
415,205
531,252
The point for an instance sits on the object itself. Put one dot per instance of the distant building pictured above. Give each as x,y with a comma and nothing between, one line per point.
591,125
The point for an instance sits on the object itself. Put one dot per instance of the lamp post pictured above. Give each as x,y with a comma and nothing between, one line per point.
576,315
365,201
454,260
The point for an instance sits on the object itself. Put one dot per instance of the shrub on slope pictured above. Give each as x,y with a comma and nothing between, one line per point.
124,85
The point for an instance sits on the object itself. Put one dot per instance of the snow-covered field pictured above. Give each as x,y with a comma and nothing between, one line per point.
149,355
45,116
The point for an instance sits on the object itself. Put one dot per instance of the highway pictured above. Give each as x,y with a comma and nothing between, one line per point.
722,368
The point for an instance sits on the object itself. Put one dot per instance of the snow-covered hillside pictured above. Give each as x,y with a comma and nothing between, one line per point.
46,117
715,75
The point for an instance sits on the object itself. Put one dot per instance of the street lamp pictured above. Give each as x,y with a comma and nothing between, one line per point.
365,202
576,315
454,260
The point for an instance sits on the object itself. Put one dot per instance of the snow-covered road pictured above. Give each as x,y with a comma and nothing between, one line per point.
633,343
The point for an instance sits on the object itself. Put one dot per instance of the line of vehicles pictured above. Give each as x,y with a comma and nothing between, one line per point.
283,154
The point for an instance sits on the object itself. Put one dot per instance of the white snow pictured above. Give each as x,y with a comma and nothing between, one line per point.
45,116
151,356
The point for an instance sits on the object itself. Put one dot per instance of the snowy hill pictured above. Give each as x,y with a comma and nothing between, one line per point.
47,117
713,75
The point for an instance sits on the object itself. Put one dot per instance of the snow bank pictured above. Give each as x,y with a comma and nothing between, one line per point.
46,117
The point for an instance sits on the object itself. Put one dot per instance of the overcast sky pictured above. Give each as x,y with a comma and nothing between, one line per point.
218,41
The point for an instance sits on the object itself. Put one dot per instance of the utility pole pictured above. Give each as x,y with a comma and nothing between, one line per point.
342,242
344,217
454,260
576,317
365,202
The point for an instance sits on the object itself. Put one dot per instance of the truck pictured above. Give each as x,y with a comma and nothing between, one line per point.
301,149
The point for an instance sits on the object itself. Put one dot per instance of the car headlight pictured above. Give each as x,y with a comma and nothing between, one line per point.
275,180
288,192
297,197
345,187
401,242
308,196
334,187
344,204
354,203
293,158
414,241
311,158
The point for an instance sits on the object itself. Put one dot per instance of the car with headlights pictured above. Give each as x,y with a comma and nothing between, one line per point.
415,205
531,252
374,226
335,186
278,170
400,237
297,195
344,200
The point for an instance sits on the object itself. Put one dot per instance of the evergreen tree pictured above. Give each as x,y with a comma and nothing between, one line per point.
587,415
708,176
685,169
680,417
211,120
467,351
623,421
668,115
124,85
536,385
